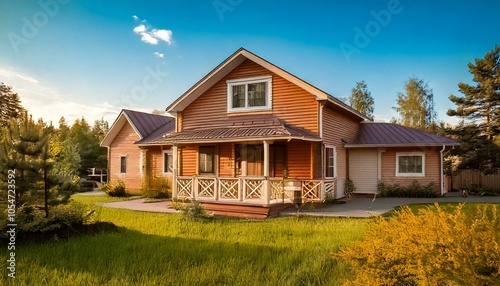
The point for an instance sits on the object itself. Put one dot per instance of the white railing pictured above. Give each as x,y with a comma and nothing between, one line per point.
184,187
229,189
329,189
206,187
251,189
311,190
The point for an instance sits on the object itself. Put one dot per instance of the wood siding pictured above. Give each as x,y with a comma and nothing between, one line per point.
226,160
290,102
123,145
188,160
155,161
338,127
363,165
432,167
299,159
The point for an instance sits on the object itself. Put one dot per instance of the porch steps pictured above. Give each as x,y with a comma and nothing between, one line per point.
244,211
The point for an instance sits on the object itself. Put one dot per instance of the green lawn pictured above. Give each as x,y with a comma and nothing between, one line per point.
166,249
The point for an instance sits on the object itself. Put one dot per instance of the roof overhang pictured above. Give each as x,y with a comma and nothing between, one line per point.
116,127
246,139
235,60
400,145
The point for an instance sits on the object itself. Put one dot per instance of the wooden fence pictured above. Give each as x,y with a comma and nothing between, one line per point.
470,179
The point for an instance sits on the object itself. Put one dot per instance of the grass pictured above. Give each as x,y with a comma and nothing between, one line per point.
468,209
166,249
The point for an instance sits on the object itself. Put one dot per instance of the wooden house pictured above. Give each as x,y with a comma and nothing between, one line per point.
250,137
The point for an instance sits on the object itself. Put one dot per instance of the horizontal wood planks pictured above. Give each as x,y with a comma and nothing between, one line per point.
123,145
432,167
290,102
337,127
299,159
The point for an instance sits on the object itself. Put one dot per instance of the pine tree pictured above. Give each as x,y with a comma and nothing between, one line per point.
481,103
10,105
415,107
21,148
361,99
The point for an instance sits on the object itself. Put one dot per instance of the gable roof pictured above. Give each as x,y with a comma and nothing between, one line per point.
240,128
235,60
144,125
381,134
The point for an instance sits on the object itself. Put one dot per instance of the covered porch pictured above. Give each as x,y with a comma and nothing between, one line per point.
252,162
259,191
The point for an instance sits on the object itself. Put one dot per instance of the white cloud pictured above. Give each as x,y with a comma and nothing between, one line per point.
135,17
160,55
11,74
152,36
164,35
140,29
49,103
147,38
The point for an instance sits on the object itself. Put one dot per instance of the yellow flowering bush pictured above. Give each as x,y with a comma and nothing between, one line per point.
433,247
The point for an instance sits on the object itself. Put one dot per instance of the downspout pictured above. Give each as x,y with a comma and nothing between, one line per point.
108,172
442,169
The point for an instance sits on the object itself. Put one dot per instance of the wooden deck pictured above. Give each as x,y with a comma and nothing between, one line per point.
244,211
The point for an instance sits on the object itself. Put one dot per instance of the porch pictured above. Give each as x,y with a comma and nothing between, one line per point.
253,191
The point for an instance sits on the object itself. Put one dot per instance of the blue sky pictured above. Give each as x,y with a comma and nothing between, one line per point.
91,58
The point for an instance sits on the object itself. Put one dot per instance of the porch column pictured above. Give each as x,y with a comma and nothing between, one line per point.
174,171
266,158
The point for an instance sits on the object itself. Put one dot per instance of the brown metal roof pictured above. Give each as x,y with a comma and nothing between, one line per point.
240,128
147,123
389,134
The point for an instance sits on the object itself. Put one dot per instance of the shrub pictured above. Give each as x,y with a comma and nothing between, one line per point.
415,190
192,210
32,223
114,190
349,187
433,247
159,188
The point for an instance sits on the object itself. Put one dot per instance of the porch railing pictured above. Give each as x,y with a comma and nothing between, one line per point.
257,190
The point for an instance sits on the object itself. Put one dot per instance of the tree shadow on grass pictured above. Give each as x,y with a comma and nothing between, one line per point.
131,257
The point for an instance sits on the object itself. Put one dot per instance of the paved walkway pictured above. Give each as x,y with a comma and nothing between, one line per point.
358,207
365,207
140,205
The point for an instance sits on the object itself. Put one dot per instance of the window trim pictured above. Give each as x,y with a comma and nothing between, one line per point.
167,153
121,170
334,161
404,154
246,81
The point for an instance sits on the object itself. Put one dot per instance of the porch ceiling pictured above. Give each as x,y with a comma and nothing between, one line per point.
242,128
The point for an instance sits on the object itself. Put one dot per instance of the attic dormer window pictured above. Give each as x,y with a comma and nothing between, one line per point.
250,94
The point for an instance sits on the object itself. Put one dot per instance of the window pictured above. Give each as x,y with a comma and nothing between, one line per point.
123,164
410,164
249,94
168,160
206,159
330,162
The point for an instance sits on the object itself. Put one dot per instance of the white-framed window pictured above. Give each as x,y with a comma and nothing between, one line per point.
168,160
249,94
123,164
330,162
410,164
